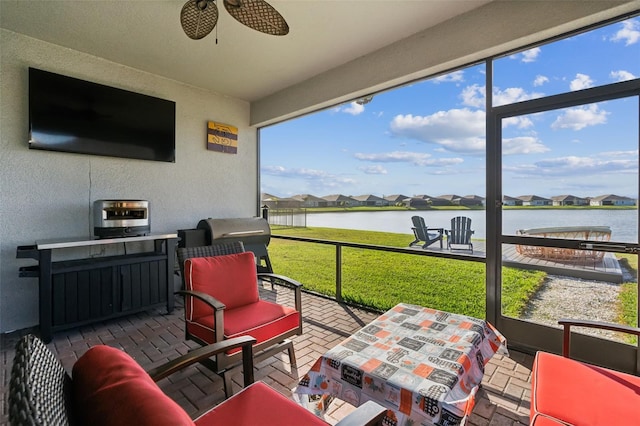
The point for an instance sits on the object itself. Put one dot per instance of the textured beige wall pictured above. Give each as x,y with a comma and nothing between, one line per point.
49,195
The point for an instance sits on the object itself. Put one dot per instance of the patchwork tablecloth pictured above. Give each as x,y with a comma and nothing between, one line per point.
424,365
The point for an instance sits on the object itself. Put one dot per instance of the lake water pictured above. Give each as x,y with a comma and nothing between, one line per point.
623,223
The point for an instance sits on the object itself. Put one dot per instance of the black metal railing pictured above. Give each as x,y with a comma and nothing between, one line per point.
409,251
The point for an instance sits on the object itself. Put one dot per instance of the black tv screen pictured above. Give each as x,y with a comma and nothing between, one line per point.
71,115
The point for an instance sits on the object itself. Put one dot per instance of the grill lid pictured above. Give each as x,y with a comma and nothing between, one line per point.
253,230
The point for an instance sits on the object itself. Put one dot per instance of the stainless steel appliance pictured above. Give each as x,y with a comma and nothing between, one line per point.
121,218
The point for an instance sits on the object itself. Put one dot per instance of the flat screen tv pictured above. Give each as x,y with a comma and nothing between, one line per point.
71,115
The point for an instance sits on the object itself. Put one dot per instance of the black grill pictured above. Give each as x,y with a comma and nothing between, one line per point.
253,232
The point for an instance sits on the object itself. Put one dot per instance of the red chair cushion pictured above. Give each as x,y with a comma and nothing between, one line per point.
571,392
110,388
542,420
263,320
259,404
230,278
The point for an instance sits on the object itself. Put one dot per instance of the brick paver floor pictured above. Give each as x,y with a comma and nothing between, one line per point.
153,337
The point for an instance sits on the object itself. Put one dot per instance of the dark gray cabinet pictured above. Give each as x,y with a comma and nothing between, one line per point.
81,291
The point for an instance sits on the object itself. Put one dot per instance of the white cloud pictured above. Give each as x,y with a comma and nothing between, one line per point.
354,108
540,80
581,117
629,33
337,182
473,96
519,122
530,55
452,77
614,154
522,145
575,166
456,130
273,170
374,170
316,179
621,75
415,158
461,131
582,81
513,94
299,172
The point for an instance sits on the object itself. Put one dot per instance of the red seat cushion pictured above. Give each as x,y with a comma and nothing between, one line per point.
259,404
570,392
230,278
263,320
110,388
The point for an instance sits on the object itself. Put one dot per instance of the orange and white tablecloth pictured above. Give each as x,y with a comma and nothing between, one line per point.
424,365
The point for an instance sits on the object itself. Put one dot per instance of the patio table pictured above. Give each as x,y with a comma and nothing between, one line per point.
423,364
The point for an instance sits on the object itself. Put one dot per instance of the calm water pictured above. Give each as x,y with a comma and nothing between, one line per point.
623,223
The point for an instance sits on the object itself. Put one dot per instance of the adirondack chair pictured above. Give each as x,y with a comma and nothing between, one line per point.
421,233
460,234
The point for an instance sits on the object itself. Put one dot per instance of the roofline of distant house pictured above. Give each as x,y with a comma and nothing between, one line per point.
340,200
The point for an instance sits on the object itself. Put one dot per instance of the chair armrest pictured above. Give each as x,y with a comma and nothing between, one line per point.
368,414
286,282
205,352
568,323
218,310
206,298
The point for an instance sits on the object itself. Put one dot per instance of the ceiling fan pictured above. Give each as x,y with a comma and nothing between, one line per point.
199,17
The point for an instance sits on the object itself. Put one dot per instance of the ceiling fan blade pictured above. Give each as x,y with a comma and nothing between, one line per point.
198,18
257,14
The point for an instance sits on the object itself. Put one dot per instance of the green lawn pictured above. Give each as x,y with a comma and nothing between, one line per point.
381,280
628,297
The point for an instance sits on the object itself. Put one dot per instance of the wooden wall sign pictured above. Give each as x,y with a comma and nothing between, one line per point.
222,137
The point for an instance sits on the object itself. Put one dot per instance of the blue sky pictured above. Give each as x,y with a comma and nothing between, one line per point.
428,137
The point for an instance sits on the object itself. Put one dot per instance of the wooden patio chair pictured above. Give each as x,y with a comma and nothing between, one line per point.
421,233
220,286
460,234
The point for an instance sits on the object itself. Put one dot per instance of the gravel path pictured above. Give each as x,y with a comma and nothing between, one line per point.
562,297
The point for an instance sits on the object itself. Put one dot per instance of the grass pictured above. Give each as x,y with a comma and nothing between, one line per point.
628,296
381,280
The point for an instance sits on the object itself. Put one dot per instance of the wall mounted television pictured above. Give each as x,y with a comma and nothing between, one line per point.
71,115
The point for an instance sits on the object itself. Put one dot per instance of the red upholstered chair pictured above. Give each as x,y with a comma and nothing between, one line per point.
109,388
569,392
222,301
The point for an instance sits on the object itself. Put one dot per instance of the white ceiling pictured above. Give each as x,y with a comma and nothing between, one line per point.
244,64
